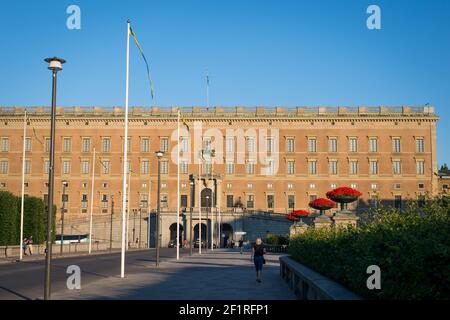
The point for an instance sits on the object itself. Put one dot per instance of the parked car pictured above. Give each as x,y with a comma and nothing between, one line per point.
172,243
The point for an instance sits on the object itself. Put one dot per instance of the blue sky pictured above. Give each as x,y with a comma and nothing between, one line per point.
262,52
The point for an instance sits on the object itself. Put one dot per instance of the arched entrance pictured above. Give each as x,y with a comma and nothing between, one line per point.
227,234
173,232
203,232
206,195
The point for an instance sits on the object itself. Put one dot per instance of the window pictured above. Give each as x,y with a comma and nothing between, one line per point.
230,201
396,145
5,144
270,144
184,144
269,186
397,186
373,201
85,166
290,143
207,144
46,166
229,186
421,186
373,145
128,166
104,201
27,166
128,144
353,145
333,167
333,186
105,166
291,201
230,167
397,201
421,200
145,145
290,186
164,201
312,185
106,146
249,185
250,167
374,186
143,199
184,201
86,145
4,167
270,201
183,167
27,144
290,167
250,144
230,144
354,186
66,167
312,145
420,167
164,144
420,148
312,167
445,187
47,145
66,144
270,167
84,201
396,167
332,145
105,185
164,167
373,167
145,167
250,201
353,167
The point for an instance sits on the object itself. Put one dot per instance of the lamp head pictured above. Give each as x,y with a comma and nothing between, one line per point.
55,63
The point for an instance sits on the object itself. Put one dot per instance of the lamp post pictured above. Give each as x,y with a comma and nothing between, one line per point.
111,224
192,183
55,65
207,222
159,155
63,209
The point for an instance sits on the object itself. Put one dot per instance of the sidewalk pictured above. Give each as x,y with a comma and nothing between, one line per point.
218,275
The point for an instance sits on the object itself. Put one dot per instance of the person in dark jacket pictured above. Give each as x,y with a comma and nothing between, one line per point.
258,252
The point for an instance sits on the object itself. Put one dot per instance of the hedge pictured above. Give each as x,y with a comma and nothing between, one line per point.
35,219
411,247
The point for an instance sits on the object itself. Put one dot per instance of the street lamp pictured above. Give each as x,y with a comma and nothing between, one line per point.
55,65
111,224
192,183
63,209
207,223
159,155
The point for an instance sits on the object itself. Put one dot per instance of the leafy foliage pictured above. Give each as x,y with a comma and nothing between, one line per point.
276,240
8,218
411,247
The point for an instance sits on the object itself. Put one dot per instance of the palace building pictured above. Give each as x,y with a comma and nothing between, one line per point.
265,160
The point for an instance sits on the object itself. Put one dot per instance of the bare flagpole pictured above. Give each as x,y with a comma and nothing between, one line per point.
125,159
178,185
23,184
92,202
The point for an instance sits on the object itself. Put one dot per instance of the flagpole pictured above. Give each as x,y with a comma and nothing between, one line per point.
125,153
199,206
128,206
92,202
207,89
178,185
23,185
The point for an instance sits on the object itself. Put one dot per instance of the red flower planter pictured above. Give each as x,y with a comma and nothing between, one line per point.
300,213
292,217
322,204
343,196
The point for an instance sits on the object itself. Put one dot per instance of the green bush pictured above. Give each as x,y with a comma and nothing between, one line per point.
276,240
8,218
411,247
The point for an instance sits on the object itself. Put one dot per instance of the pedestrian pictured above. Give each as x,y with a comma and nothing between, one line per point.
258,252
241,244
25,246
30,245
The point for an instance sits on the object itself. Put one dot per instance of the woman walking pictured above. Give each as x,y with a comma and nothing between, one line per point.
258,252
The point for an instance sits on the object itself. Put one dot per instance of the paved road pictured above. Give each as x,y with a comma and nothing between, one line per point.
221,275
24,280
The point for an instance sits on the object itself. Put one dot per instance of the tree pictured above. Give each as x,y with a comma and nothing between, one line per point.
8,218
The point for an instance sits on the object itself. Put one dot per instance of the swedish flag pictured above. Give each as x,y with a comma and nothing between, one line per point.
145,60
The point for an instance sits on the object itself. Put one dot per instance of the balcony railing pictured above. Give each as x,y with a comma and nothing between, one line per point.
214,112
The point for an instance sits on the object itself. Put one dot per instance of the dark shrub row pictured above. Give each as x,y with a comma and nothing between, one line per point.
411,247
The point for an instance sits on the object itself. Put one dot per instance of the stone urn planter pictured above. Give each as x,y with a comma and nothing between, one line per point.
299,226
322,205
343,196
